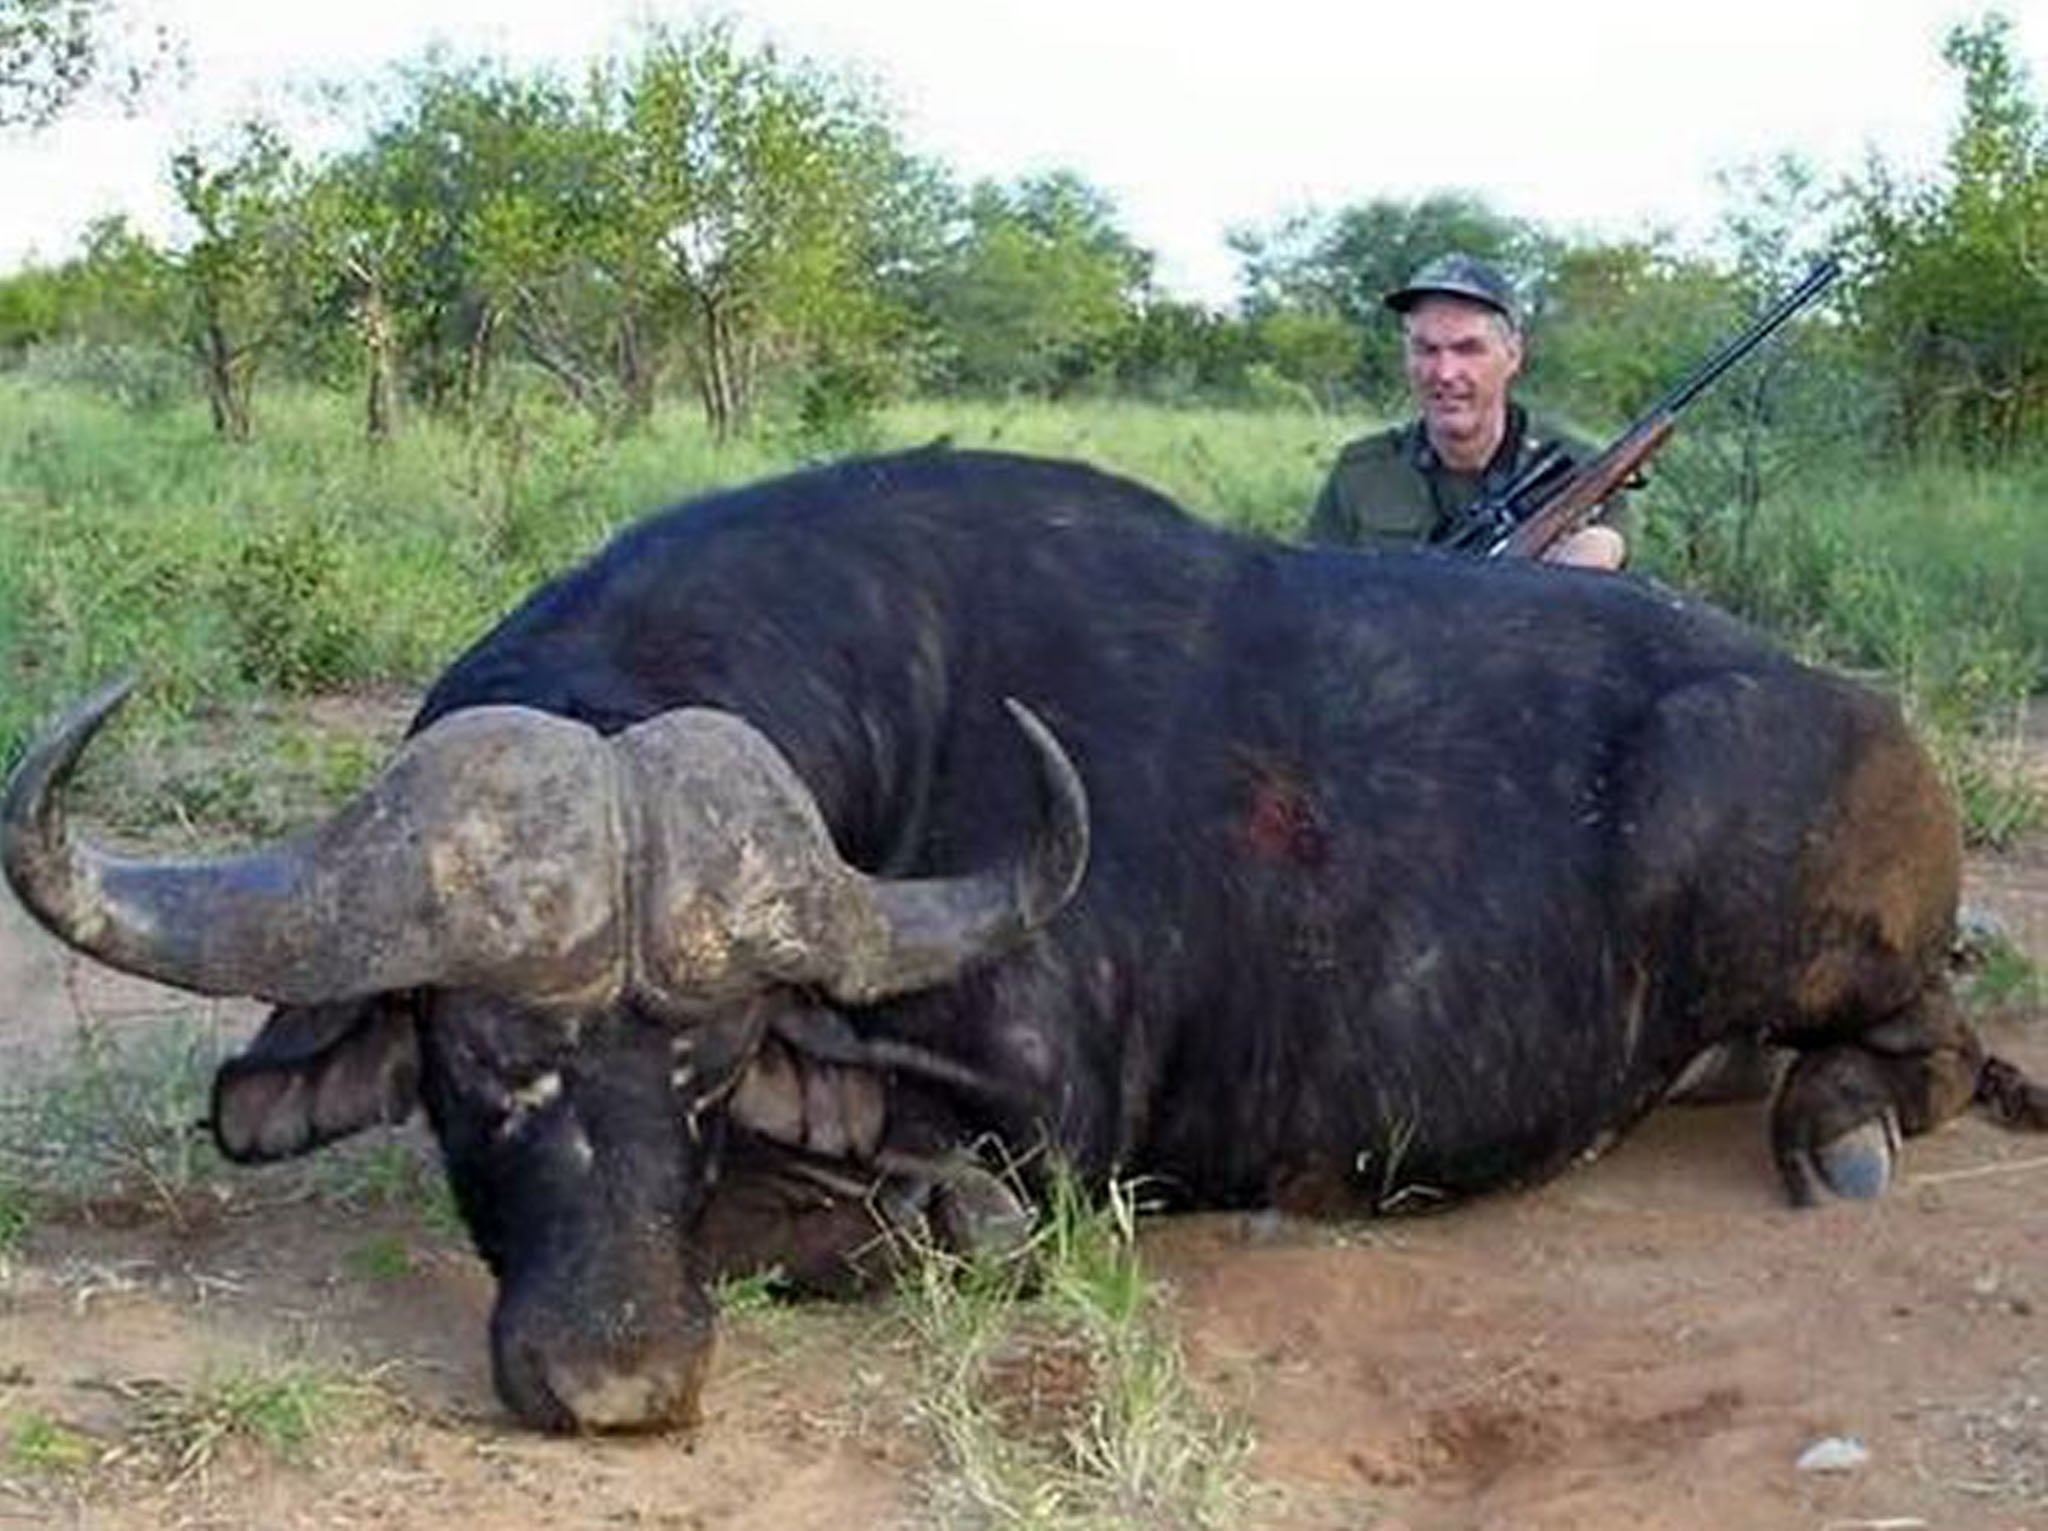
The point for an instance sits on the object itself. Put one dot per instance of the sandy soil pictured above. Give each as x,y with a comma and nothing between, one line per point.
1652,1341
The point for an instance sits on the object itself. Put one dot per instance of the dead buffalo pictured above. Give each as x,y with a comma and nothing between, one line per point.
718,901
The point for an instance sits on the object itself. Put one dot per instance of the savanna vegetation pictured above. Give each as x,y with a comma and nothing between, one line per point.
361,401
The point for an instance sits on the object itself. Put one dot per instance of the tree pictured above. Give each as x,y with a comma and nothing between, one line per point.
366,245
242,277
744,192
403,225
1342,264
125,286
552,248
1953,289
697,203
1036,285
53,51
1176,350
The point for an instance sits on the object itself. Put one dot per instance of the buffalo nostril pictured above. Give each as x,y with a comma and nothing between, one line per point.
567,1389
521,1377
646,1399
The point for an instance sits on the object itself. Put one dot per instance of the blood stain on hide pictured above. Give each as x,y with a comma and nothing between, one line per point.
1280,821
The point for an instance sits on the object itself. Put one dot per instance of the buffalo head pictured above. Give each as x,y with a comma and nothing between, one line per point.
566,947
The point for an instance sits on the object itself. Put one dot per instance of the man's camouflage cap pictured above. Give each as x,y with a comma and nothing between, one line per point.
1456,275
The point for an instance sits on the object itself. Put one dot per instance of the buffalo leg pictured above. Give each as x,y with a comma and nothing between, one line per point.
835,1229
818,1240
1842,1110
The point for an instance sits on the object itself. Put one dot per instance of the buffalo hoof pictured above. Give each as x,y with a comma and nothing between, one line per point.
1857,1166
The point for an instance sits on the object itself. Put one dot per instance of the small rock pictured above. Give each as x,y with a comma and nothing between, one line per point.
1834,1454
1979,933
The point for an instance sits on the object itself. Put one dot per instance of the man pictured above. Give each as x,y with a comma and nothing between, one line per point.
1462,343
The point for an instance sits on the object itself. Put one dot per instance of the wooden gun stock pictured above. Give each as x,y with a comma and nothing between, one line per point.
1577,502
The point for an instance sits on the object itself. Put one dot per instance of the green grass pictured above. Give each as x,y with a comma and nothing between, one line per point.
750,1294
1055,1391
1931,574
17,1215
384,1257
1257,470
282,1409
309,561
2002,980
115,1120
116,1128
38,1443
306,560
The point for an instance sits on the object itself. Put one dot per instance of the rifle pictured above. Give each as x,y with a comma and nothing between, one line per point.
1553,497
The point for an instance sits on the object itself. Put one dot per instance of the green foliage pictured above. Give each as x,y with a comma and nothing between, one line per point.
837,404
1184,353
1953,304
1928,574
145,378
1994,786
54,52
242,279
1036,290
1619,324
696,216
386,1257
754,1293
1342,265
2003,981
17,1215
702,204
1315,351
32,308
287,620
301,559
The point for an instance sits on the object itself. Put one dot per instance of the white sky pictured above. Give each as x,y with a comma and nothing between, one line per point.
1598,116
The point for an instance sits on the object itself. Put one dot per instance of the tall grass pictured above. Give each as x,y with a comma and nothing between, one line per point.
1936,568
304,560
1933,574
308,560
1258,470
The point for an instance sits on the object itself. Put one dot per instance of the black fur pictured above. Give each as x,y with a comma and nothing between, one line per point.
1412,877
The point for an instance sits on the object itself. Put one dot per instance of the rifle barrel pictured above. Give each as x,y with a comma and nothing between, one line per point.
1812,286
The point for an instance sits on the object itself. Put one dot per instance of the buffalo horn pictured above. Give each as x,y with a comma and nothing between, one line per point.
487,852
521,853
743,884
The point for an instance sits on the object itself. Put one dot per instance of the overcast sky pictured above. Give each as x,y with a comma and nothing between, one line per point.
1596,116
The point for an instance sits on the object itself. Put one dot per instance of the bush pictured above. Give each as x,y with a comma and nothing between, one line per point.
143,378
281,599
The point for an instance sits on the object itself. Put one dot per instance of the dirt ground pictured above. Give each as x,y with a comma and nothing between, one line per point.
1652,1341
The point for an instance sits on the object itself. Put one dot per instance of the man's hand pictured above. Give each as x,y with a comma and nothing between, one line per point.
1590,547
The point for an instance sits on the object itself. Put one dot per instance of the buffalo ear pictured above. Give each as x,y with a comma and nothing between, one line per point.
316,1073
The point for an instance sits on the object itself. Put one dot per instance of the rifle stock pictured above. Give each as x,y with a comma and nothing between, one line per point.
1578,501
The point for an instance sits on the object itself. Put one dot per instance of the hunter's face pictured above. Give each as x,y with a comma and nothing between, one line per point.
1461,357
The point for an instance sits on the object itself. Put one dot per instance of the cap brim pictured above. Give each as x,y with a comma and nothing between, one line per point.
1401,299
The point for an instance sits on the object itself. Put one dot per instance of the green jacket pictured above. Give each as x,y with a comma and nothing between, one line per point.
1390,490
